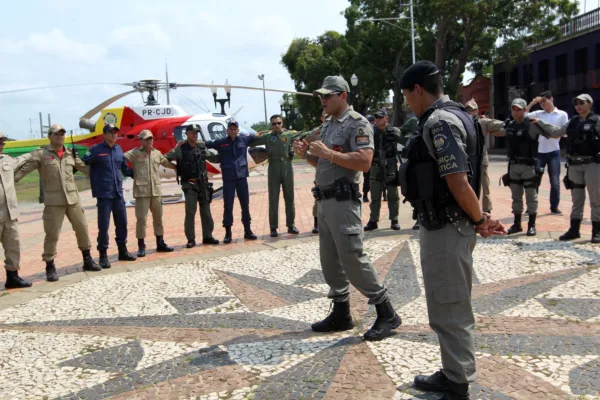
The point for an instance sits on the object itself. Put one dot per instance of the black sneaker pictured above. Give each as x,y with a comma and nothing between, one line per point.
556,211
210,240
190,244
438,382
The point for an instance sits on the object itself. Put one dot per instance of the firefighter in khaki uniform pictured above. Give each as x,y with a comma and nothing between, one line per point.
9,226
57,164
146,161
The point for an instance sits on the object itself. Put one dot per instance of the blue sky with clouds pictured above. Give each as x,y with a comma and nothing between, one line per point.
53,42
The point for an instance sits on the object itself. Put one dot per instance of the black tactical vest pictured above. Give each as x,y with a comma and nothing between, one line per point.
582,137
424,182
519,142
385,144
193,164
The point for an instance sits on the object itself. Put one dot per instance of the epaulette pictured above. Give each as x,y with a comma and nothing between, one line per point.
354,115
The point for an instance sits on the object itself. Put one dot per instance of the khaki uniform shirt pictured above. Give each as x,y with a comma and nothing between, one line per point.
8,196
350,132
488,125
146,178
56,174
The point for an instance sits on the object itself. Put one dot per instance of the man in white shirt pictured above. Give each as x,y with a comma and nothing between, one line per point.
549,149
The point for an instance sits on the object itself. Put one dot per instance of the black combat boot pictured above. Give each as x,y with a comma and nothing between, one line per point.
365,198
190,244
531,225
573,232
141,248
14,281
395,225
210,240
293,230
339,319
124,255
387,319
274,233
88,262
161,246
595,231
416,226
371,225
516,228
439,383
51,275
103,261
227,238
248,234
316,227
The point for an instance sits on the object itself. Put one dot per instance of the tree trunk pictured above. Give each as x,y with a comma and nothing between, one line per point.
440,44
398,100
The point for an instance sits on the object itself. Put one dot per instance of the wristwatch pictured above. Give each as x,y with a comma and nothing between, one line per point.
481,221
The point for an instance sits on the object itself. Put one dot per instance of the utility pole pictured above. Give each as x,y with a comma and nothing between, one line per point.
41,126
262,78
30,129
412,32
49,123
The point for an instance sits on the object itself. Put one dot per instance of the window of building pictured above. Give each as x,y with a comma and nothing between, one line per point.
544,71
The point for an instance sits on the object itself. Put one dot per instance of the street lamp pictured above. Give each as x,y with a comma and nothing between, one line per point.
354,83
262,78
222,102
286,107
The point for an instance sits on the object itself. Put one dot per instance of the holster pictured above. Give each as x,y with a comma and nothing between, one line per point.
316,192
403,179
209,191
428,216
345,190
506,179
539,173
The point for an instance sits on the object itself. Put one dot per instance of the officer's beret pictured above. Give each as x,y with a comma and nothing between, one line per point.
381,114
416,74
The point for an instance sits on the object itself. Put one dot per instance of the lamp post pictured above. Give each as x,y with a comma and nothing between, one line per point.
262,78
354,83
286,107
222,102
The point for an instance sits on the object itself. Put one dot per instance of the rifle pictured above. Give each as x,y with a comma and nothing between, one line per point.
382,158
74,151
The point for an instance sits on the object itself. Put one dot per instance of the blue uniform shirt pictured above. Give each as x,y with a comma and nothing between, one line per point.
233,155
106,165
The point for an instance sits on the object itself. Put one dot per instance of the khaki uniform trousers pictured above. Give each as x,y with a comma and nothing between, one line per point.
142,205
521,172
447,264
485,188
53,217
343,259
588,175
9,237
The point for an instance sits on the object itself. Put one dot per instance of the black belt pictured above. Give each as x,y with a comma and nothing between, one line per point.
327,192
580,160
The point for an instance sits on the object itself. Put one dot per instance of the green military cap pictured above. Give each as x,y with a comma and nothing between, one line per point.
145,134
519,103
55,129
332,84
193,128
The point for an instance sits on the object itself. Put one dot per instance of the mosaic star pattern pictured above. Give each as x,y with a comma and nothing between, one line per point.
238,327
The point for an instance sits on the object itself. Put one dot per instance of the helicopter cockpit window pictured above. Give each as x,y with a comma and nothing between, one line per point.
179,133
217,130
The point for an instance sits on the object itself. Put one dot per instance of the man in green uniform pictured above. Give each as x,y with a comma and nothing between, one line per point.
383,170
280,172
442,181
583,163
57,164
488,125
146,161
409,128
191,168
9,213
344,151
523,175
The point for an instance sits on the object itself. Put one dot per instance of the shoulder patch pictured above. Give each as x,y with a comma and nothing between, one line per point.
362,138
439,137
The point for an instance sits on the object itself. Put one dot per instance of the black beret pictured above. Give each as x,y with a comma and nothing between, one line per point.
370,118
381,114
416,73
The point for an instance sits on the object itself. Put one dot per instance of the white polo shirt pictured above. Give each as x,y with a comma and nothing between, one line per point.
557,118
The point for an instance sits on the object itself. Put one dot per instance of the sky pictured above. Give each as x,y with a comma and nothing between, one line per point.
54,42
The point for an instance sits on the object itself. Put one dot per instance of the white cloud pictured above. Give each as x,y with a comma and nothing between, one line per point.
59,46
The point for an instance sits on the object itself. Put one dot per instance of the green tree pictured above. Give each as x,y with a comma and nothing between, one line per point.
259,126
310,61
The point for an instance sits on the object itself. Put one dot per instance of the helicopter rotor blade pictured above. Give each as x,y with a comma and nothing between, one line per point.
57,86
242,87
236,113
105,104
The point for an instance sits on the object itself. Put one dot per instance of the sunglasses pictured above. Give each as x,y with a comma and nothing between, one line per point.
327,96
469,109
276,123
517,109
379,117
579,103
59,133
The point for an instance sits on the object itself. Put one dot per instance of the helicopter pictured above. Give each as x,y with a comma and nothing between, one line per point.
166,122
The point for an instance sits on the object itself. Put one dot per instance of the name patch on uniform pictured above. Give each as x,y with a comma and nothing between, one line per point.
362,138
225,145
48,158
142,156
102,154
587,127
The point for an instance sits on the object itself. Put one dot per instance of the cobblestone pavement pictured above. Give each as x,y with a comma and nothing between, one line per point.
233,322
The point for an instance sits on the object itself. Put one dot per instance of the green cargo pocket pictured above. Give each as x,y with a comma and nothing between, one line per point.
451,294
